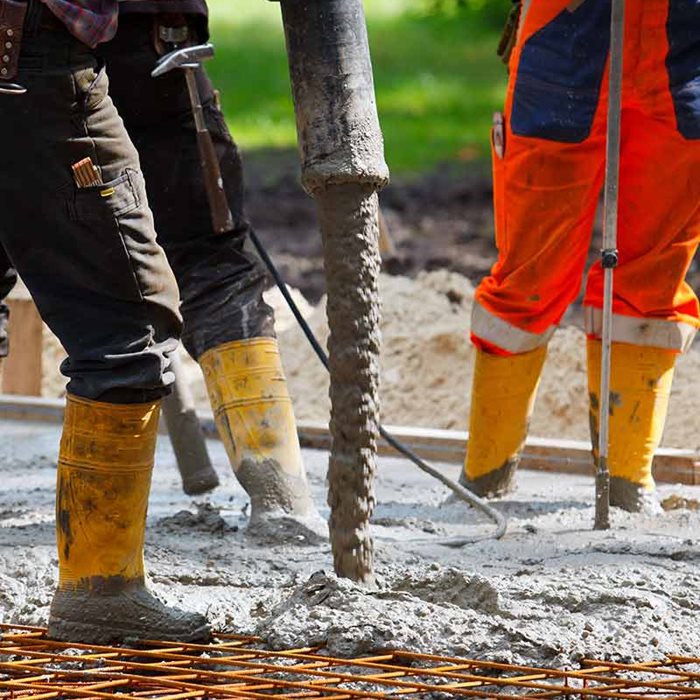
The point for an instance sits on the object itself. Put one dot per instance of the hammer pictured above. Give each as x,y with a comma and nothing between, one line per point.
189,60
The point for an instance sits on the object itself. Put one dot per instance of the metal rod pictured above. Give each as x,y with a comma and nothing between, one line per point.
239,667
609,255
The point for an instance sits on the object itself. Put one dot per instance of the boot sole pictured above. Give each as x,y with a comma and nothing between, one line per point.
85,633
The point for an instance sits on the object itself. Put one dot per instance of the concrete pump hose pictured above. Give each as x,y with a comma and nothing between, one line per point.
460,491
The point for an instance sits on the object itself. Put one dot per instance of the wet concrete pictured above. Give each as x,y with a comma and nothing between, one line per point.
632,497
550,592
499,482
272,490
349,228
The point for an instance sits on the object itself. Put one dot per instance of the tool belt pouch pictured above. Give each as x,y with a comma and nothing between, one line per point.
11,26
510,32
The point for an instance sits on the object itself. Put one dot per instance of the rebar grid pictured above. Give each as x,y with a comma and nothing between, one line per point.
32,666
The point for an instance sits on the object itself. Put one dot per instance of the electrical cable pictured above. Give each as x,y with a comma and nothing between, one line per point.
460,491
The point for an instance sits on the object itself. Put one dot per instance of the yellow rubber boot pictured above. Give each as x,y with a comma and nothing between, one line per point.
254,416
640,387
503,397
103,482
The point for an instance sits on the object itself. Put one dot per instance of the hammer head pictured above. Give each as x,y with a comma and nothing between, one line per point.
189,57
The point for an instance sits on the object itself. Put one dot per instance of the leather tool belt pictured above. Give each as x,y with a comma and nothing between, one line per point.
12,14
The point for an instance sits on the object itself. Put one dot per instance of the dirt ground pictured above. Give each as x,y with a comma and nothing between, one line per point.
551,592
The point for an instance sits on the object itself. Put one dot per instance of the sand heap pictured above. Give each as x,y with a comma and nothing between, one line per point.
427,363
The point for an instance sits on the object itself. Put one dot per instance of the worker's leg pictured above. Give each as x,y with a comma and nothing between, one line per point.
90,259
221,284
640,388
104,479
547,177
228,327
655,311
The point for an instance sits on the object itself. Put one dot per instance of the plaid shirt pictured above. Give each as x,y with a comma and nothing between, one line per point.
95,21
188,7
91,21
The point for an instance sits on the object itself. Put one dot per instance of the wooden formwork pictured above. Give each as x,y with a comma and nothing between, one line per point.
540,454
671,466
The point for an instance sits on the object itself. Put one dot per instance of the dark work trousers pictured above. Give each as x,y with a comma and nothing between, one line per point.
221,284
89,256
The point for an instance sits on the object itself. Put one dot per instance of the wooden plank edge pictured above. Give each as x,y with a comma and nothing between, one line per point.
671,465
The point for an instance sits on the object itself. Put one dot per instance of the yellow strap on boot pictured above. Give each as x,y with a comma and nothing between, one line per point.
251,403
640,388
104,478
503,397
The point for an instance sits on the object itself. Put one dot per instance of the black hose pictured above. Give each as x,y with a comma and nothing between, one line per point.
460,491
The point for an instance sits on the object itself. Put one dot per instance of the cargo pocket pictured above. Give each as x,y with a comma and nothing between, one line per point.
560,74
91,86
683,64
100,211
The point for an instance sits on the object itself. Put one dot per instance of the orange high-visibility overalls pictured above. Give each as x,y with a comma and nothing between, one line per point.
548,180
549,163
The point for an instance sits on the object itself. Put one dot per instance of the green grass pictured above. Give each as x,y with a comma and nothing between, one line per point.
437,79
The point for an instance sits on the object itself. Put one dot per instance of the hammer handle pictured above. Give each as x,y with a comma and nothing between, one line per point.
221,218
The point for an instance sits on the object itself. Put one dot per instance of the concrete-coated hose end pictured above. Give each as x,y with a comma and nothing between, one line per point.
340,139
319,177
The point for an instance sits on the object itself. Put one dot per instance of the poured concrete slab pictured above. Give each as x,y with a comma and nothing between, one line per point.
550,592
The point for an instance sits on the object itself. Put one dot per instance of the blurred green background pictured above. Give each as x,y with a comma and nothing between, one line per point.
437,76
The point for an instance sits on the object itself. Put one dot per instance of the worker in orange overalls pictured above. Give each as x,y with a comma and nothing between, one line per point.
549,161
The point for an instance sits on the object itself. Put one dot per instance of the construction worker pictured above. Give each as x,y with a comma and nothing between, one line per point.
77,227
228,328
548,161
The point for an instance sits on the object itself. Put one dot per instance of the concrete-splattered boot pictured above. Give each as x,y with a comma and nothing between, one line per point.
640,387
104,478
503,397
249,396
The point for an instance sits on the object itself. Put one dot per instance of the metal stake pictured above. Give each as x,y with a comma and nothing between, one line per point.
609,255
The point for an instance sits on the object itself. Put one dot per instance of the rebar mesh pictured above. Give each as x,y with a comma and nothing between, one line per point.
32,666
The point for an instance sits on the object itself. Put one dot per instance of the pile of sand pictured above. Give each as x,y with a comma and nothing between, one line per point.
427,365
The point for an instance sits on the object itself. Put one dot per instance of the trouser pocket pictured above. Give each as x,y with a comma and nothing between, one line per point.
683,64
560,74
102,212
